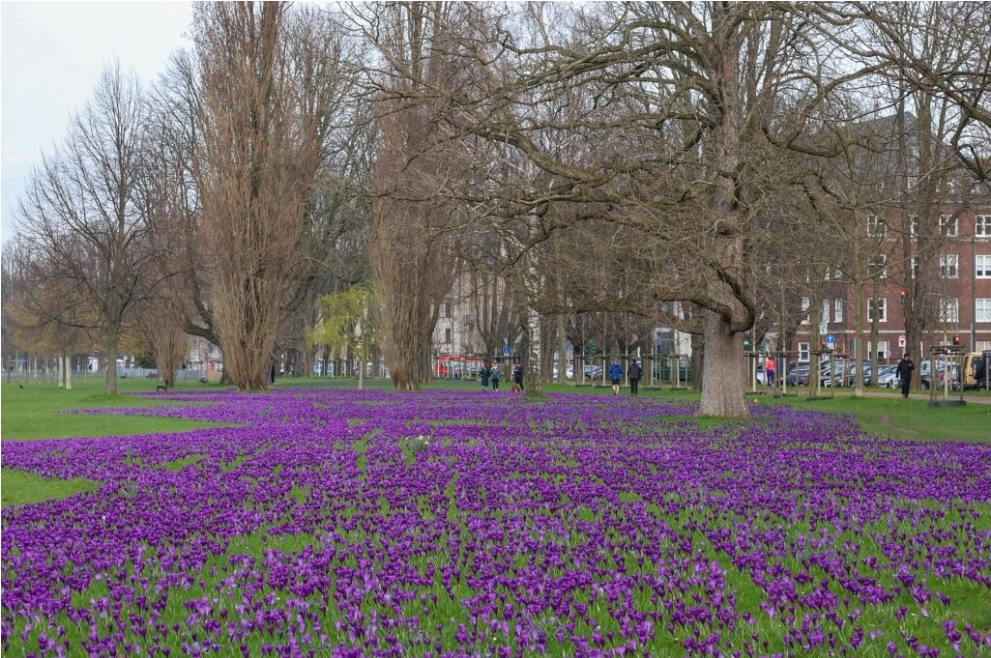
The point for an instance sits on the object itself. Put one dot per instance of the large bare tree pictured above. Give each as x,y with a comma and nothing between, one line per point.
689,102
268,86
82,212
413,230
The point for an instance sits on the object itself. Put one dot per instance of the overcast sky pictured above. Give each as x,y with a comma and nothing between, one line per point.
51,56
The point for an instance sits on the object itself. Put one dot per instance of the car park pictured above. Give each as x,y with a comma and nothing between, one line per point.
887,377
798,374
592,371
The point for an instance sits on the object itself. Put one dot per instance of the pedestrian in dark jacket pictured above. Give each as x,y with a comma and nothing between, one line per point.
494,375
518,377
483,375
905,368
634,373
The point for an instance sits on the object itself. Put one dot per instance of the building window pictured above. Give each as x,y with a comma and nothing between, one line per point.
913,225
949,226
805,310
914,267
983,308
803,352
982,226
983,266
447,310
838,310
948,266
877,307
882,350
447,335
878,266
876,227
949,310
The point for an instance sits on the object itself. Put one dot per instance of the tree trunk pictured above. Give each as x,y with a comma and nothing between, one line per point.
113,331
723,370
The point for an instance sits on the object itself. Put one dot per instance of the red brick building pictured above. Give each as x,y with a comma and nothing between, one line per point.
960,295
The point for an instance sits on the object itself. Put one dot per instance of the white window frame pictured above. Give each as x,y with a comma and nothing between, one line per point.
949,226
882,305
805,309
982,266
879,264
949,309
882,347
913,225
982,226
949,266
838,310
913,267
876,228
803,353
982,309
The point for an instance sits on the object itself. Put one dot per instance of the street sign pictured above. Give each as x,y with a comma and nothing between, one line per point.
830,340
901,341
506,350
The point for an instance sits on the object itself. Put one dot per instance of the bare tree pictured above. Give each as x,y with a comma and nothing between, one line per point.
81,210
265,109
413,231
690,102
939,49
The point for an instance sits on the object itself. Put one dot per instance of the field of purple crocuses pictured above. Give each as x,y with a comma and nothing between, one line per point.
346,523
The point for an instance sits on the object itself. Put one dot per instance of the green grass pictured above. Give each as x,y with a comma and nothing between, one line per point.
890,415
18,488
32,411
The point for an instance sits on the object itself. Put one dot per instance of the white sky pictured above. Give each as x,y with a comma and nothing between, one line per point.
51,56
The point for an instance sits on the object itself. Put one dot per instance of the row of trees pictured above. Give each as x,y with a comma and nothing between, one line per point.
643,162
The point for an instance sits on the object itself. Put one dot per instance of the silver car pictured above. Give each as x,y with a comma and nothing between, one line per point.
887,377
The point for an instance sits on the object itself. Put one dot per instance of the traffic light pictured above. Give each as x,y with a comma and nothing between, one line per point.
956,340
903,294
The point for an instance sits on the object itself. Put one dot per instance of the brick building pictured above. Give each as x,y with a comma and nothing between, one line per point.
959,293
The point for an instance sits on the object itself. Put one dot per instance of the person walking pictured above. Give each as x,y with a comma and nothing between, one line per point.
769,371
634,373
483,374
905,368
615,375
518,377
494,375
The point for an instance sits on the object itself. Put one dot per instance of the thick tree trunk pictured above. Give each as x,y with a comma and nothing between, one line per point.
723,370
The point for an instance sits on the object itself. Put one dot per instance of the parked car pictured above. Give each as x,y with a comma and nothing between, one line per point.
926,378
850,375
569,372
887,376
592,371
798,374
